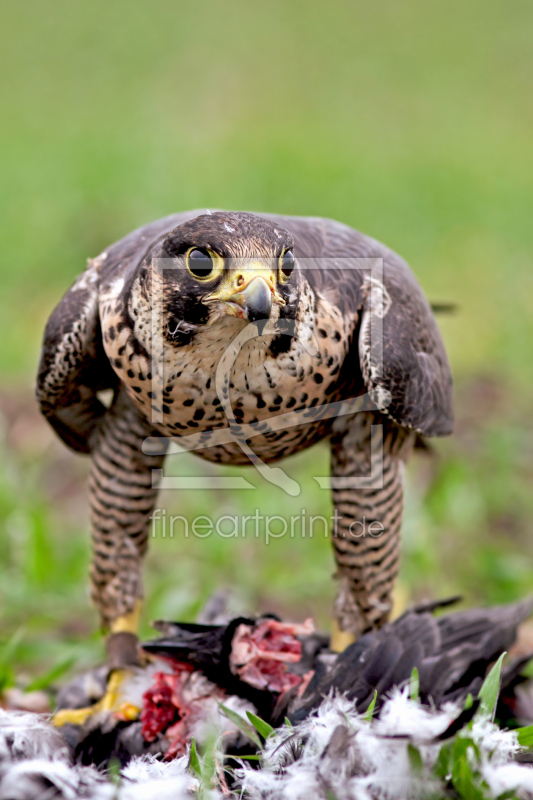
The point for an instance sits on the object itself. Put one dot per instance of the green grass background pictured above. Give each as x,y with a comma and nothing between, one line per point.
408,120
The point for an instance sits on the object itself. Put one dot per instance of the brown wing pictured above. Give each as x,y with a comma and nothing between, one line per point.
73,365
407,368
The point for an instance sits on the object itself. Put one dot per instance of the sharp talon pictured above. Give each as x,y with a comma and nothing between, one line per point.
128,712
111,703
340,640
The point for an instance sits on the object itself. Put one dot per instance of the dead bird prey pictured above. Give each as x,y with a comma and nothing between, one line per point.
246,665
451,653
277,669
265,661
328,348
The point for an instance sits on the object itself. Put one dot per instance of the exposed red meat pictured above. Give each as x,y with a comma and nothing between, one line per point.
162,702
157,711
174,703
260,655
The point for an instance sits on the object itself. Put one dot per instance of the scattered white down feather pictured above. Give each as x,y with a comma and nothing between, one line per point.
334,753
39,779
144,778
35,764
149,779
24,735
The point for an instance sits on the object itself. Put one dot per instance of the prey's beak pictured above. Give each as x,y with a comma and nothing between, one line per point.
248,293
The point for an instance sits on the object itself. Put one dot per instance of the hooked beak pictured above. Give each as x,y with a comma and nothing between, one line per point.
255,300
248,295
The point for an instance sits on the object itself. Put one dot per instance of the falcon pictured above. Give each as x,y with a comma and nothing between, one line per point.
245,338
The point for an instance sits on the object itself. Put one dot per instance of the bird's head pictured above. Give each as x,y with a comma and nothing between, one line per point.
224,264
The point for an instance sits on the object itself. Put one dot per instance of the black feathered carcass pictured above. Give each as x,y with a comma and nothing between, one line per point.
279,670
451,654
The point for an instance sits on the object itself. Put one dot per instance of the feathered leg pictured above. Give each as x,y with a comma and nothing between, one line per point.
366,534
122,497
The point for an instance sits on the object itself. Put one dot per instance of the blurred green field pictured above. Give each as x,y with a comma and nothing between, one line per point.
410,121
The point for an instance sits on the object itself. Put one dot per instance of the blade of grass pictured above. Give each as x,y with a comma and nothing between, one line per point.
414,685
369,713
53,674
7,656
488,694
194,761
525,736
11,646
242,725
260,725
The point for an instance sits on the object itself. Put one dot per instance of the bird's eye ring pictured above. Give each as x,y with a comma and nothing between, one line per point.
286,263
202,263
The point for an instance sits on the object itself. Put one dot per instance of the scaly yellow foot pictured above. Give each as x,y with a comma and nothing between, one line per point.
128,623
121,652
340,640
112,702
400,600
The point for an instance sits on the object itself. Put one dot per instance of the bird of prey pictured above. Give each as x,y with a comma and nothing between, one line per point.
247,338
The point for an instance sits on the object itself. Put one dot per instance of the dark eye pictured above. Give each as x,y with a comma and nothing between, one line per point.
287,263
200,263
